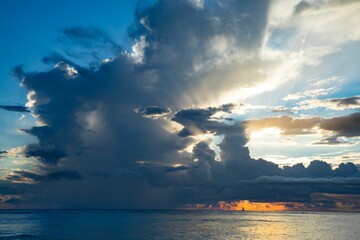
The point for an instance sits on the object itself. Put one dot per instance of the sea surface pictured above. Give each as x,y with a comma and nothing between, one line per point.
140,224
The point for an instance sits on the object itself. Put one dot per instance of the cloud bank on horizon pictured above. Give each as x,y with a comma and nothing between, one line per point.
215,101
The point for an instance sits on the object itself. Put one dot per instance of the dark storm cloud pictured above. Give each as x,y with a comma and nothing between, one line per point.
240,176
14,108
133,160
199,121
29,177
305,181
13,189
182,60
46,150
47,154
153,111
320,169
175,169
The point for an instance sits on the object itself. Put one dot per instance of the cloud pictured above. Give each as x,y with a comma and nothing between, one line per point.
104,121
303,6
309,93
153,111
15,108
346,169
2,153
328,80
308,6
288,125
333,104
22,176
345,126
46,154
198,121
280,109
348,126
333,140
307,181
13,152
89,38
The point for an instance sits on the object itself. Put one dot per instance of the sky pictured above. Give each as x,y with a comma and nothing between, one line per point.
180,104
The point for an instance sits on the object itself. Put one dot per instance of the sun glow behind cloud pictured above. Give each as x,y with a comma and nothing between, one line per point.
252,206
321,202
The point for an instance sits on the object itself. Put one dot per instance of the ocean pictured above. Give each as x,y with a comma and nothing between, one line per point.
151,224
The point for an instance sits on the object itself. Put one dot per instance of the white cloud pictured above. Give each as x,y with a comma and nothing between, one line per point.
333,104
309,93
137,53
328,80
197,3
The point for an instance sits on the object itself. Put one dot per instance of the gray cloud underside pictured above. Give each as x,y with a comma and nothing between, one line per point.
346,102
153,111
305,181
14,108
27,176
200,121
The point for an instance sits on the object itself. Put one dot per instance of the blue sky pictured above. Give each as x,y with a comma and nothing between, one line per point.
152,95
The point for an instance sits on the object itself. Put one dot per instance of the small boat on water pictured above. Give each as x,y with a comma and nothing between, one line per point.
243,209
